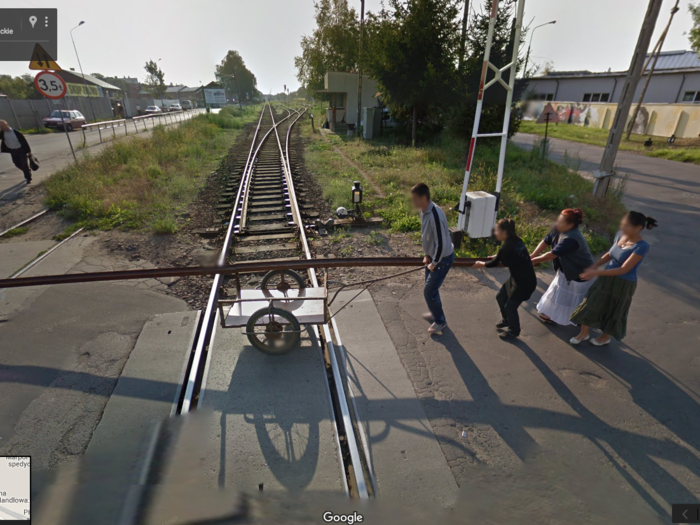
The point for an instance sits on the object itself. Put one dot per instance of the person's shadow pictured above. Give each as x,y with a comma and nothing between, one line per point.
12,192
650,389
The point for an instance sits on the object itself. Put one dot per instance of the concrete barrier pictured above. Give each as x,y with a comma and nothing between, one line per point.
660,120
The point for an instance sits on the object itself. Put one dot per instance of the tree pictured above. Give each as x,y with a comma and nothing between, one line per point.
333,46
236,77
462,119
17,87
413,49
155,81
694,34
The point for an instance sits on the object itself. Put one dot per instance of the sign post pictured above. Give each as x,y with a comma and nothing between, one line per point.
548,115
54,87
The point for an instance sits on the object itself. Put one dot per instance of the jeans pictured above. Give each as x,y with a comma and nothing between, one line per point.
509,310
433,281
19,159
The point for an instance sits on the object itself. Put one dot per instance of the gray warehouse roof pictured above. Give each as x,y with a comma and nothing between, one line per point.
668,61
678,60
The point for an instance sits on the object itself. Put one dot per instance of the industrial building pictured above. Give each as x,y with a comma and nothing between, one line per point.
676,79
671,104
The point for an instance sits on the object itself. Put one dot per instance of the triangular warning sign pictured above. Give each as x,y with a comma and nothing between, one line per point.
549,114
42,60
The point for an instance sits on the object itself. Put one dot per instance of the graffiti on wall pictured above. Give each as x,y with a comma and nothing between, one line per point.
578,113
660,120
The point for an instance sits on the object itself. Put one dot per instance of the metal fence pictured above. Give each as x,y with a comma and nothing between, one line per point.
25,114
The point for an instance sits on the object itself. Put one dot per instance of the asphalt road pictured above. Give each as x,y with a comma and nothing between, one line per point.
53,152
574,434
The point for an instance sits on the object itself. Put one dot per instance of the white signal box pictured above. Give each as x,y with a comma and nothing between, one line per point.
481,215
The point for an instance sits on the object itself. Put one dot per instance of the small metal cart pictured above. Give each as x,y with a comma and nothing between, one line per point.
273,315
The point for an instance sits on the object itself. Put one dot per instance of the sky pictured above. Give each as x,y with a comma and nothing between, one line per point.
190,38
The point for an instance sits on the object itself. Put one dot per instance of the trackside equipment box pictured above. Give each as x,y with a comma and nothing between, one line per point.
482,214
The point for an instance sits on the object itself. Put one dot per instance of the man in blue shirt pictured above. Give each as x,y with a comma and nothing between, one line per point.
439,253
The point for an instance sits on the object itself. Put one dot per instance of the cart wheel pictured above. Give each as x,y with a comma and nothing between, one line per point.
283,281
273,331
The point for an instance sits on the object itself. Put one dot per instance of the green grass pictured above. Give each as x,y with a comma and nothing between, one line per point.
144,183
67,232
16,232
232,117
38,131
534,191
683,150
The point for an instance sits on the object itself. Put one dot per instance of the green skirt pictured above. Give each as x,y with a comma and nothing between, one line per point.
606,306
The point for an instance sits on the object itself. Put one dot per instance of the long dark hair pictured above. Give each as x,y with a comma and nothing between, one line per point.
636,218
508,226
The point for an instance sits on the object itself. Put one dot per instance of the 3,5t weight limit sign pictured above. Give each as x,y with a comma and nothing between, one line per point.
50,85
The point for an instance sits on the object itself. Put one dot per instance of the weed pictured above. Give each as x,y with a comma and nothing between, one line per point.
534,189
143,183
340,234
347,251
67,232
16,232
375,238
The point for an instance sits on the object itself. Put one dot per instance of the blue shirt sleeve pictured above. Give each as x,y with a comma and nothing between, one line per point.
565,247
641,248
551,237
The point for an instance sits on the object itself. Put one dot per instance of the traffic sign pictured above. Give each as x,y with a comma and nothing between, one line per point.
50,85
41,60
548,115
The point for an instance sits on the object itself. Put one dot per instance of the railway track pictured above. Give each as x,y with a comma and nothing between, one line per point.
265,219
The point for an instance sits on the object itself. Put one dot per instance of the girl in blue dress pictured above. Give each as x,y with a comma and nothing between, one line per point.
607,303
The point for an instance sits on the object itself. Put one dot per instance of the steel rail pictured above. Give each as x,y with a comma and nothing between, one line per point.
25,221
210,315
231,269
243,192
351,440
43,256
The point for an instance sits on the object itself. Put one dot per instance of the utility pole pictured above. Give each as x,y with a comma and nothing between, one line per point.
607,163
463,41
359,68
655,54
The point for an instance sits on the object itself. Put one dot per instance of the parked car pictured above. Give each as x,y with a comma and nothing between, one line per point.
71,118
175,107
186,104
151,110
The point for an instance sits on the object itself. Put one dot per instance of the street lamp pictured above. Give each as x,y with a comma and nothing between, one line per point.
527,57
87,91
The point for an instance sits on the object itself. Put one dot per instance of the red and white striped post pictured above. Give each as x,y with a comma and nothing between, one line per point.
483,86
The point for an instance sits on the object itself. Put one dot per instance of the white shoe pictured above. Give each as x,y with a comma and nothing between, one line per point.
595,342
575,341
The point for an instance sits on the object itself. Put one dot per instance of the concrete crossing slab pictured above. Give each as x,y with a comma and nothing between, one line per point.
272,421
143,397
15,255
408,461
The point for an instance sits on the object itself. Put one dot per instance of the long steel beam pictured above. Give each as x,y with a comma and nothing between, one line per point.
242,267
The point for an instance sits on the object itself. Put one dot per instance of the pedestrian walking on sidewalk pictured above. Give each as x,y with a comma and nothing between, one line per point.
607,304
571,256
14,143
439,253
522,283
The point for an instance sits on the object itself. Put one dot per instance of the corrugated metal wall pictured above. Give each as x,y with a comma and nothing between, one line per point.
25,114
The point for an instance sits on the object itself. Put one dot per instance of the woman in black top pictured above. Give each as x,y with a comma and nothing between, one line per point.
522,283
